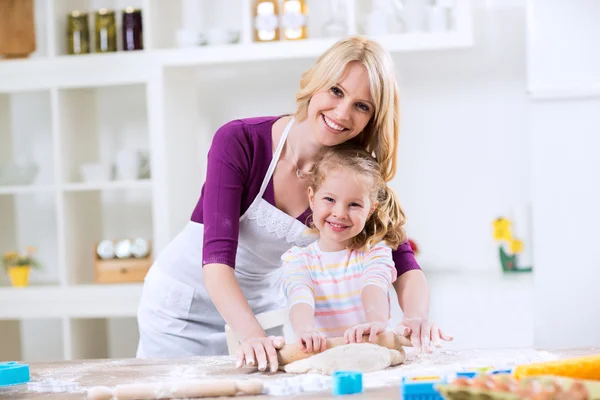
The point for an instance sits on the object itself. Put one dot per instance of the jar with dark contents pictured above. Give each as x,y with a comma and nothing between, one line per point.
133,38
106,31
78,33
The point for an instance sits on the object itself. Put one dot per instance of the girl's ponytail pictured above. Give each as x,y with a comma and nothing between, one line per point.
386,222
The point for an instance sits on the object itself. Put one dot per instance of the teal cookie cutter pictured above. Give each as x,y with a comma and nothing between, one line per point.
13,373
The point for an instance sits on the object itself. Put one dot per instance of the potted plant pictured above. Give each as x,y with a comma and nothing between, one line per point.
18,266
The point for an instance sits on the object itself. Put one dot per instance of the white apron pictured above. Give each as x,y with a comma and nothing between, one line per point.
177,318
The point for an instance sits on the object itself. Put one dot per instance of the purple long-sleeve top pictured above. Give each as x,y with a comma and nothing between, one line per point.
238,159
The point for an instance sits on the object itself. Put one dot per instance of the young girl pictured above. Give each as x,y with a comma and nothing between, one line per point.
338,285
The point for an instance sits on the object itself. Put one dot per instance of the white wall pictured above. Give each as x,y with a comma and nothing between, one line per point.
463,157
564,79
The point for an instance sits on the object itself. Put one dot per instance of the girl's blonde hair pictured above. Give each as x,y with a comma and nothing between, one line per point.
387,220
380,136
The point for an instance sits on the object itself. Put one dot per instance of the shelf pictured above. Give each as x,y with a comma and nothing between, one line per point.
310,48
78,301
87,70
8,190
121,68
94,186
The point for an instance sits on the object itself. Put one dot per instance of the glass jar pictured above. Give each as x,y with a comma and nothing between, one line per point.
132,29
78,33
106,31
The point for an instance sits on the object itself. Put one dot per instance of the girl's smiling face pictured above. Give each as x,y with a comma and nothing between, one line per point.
341,206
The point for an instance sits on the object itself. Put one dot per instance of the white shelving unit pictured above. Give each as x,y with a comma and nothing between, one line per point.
60,111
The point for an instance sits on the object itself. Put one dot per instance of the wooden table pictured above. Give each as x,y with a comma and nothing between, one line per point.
89,373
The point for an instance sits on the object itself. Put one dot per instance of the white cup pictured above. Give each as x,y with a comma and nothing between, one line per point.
128,164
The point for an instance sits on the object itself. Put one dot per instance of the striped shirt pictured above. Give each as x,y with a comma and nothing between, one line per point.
332,282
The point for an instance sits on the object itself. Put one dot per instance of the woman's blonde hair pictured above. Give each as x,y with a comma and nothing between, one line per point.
380,136
387,220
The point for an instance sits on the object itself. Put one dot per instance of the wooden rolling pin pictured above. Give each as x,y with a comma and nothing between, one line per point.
293,352
190,389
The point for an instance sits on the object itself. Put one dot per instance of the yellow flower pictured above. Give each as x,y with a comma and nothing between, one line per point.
516,246
11,255
502,229
31,249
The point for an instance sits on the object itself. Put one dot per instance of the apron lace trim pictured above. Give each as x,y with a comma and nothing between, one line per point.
276,221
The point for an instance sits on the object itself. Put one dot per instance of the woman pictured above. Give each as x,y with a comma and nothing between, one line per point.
224,267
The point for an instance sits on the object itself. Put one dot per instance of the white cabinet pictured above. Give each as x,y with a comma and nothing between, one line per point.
63,112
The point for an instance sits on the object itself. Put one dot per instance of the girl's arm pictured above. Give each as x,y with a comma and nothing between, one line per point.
376,304
378,274
299,290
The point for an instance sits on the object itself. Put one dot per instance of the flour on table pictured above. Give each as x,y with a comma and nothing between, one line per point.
364,357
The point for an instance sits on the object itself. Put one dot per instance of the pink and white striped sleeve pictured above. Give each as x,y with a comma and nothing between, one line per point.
378,267
297,281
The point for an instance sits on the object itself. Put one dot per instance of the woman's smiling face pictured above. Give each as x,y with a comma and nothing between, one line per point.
341,112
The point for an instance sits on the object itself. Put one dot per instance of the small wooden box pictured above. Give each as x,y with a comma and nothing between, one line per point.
121,271
117,270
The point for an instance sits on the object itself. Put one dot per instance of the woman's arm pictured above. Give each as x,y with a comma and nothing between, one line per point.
225,292
413,296
228,170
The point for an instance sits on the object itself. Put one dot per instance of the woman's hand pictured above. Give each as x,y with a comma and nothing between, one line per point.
355,334
422,333
259,351
312,340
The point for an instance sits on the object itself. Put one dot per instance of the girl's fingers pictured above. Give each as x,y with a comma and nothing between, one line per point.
360,330
402,330
309,344
316,340
323,343
374,332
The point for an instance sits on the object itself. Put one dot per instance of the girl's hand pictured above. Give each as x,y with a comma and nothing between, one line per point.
422,333
259,351
312,340
355,334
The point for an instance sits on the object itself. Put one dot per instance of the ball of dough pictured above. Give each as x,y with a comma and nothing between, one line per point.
363,357
100,393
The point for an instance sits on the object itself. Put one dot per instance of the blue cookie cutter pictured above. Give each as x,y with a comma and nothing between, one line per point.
13,373
423,387
347,382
